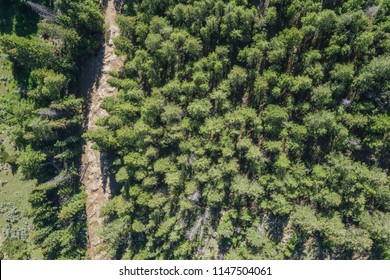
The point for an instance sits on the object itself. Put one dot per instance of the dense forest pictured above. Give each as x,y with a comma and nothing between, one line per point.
241,129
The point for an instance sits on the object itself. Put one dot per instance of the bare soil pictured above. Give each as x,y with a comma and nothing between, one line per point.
94,82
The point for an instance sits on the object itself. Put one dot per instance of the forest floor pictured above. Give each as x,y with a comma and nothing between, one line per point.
94,82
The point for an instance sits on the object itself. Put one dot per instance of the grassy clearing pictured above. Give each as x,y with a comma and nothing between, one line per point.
14,204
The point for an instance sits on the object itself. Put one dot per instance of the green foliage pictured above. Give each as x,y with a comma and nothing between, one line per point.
43,116
31,162
228,116
47,86
240,129
14,249
28,53
274,118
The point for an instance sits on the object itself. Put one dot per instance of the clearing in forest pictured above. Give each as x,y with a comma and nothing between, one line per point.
94,80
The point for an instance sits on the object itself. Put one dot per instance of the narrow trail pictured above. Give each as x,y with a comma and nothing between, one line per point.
96,73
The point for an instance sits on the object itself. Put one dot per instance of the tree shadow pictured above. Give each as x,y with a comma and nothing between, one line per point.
91,72
7,15
109,182
17,18
276,226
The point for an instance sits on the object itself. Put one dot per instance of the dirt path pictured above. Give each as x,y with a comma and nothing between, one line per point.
94,84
